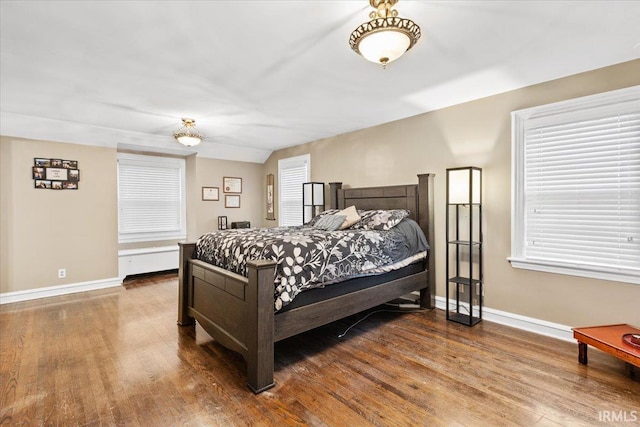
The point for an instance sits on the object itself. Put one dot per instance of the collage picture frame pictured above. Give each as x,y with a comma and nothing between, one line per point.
55,174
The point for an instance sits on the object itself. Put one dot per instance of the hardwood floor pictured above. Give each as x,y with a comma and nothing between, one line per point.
117,357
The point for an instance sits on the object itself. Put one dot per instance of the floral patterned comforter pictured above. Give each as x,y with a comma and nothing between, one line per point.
307,257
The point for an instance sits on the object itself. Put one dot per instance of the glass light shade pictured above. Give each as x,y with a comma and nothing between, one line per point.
385,44
313,193
189,140
312,199
459,180
188,135
318,193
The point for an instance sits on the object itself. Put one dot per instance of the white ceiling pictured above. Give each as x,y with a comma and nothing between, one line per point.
262,75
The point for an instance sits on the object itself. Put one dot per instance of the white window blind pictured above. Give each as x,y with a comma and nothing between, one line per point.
292,172
151,201
579,189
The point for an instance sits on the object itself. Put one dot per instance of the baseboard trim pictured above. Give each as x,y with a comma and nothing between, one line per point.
52,291
531,324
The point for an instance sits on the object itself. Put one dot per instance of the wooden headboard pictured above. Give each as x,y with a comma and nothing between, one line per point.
417,198
392,197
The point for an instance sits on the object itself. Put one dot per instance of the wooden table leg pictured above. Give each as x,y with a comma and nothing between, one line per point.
631,369
582,353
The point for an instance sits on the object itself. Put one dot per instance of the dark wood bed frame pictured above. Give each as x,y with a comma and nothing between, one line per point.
238,311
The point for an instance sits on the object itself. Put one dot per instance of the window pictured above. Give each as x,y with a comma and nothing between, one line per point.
576,187
151,198
292,173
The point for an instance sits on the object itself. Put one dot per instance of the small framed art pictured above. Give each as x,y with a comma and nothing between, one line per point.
232,184
39,173
210,193
270,210
231,201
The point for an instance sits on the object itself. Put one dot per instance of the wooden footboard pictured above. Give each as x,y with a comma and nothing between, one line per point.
238,312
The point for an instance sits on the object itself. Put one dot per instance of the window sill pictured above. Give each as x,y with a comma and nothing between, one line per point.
625,276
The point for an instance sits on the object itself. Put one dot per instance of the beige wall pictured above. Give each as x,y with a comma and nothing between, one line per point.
44,230
209,173
202,216
478,133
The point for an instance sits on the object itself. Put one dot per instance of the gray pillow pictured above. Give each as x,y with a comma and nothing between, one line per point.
329,222
320,215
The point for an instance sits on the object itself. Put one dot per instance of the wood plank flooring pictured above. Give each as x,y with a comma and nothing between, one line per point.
117,357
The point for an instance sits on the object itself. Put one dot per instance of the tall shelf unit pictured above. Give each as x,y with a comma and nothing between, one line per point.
312,200
465,286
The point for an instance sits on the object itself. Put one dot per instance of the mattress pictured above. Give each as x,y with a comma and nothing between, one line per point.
309,258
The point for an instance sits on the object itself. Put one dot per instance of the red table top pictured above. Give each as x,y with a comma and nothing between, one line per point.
610,335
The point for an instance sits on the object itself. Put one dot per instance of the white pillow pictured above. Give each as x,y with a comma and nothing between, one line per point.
351,217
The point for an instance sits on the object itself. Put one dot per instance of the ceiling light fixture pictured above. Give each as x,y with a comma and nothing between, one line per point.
188,135
386,37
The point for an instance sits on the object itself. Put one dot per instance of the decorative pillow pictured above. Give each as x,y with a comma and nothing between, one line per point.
351,217
380,219
316,218
330,222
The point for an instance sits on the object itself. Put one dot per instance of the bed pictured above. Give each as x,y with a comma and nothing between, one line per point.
238,312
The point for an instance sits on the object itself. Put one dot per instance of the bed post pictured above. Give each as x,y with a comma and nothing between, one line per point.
425,219
333,194
260,322
184,283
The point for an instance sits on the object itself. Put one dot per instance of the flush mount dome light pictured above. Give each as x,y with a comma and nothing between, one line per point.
188,135
386,37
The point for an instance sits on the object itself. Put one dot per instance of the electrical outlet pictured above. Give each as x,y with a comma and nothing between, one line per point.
62,273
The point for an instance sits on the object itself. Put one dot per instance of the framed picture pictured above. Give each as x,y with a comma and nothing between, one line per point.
222,223
55,174
70,185
70,164
42,163
210,193
231,184
39,183
270,209
38,173
231,201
